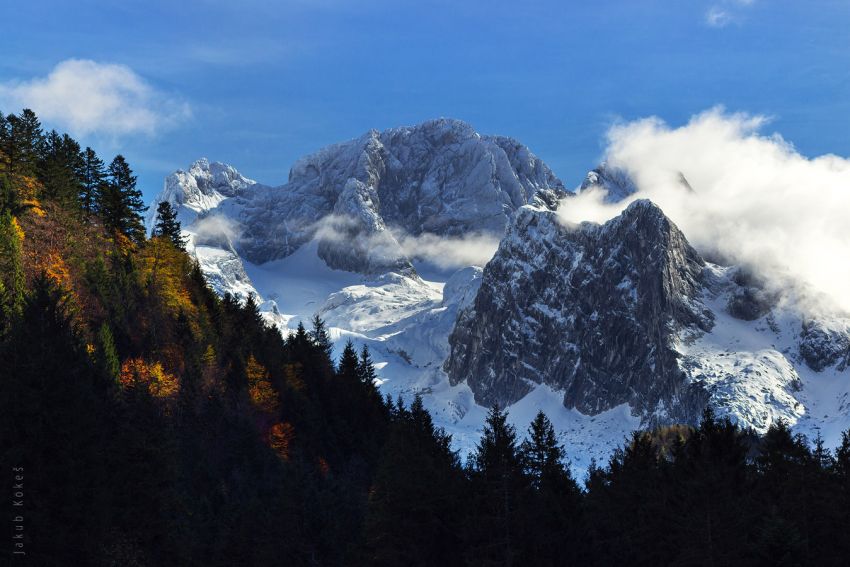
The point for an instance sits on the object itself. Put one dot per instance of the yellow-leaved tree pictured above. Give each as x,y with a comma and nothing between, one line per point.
260,389
136,373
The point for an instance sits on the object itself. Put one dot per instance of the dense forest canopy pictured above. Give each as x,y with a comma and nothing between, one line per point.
151,422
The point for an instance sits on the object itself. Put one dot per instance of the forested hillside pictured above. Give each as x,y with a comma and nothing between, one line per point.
154,423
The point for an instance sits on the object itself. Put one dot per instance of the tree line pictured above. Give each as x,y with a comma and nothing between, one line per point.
159,424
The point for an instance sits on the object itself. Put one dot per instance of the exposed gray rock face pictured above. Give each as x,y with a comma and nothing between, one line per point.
616,182
438,177
356,239
589,309
823,345
751,299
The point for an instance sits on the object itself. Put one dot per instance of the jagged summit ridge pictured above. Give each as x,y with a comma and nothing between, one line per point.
438,177
199,189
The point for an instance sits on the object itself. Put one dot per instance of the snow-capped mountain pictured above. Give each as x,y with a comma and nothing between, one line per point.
591,311
605,327
628,312
440,178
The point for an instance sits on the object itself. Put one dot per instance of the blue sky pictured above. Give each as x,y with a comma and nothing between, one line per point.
258,84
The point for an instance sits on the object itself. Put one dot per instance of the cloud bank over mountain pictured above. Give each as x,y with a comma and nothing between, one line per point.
755,201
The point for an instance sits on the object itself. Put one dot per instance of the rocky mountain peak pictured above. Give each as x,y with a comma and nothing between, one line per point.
591,310
439,177
615,181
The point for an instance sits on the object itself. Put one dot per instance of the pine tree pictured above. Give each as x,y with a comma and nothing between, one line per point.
842,460
366,369
93,177
320,335
60,168
541,454
415,499
5,137
26,139
167,225
9,199
107,355
498,485
553,506
349,364
121,204
709,481
11,269
300,339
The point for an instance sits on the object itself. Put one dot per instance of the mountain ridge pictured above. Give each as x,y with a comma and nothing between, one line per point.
374,288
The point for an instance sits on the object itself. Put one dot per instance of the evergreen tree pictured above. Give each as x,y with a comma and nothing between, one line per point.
60,168
11,269
320,335
841,503
121,204
9,199
842,460
167,225
300,339
107,355
554,504
415,499
541,454
93,180
710,476
498,484
5,137
26,139
366,369
349,364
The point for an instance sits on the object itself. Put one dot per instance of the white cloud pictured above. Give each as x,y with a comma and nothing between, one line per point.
86,97
725,12
444,252
217,230
756,200
717,17
450,251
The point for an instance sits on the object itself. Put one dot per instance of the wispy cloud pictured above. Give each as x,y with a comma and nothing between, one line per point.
87,97
445,252
725,12
237,53
717,17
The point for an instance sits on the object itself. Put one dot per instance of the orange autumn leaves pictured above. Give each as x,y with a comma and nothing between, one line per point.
136,373
265,399
262,394
281,436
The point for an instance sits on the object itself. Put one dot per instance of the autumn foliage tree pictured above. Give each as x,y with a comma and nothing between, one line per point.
262,393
